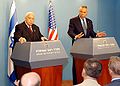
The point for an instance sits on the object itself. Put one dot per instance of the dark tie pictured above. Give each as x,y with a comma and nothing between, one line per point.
30,28
84,27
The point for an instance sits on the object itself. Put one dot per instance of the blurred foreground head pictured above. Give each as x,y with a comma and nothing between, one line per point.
114,66
92,68
30,79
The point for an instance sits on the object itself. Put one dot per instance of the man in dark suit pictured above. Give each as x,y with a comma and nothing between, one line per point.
114,70
27,31
81,27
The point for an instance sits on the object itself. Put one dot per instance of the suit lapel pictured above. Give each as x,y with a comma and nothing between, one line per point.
26,28
79,24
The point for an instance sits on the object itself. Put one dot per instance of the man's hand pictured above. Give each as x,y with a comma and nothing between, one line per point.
17,82
44,39
22,40
79,35
101,34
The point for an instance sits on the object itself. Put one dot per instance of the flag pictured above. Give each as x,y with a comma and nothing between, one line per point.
52,29
13,22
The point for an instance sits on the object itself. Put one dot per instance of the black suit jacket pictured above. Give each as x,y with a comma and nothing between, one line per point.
115,83
21,30
75,27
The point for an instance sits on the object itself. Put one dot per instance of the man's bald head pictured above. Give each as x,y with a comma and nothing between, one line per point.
30,79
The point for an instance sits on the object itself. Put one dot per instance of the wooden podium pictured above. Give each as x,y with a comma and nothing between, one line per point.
98,48
45,58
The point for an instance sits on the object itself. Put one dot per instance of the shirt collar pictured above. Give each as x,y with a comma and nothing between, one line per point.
83,19
115,79
27,24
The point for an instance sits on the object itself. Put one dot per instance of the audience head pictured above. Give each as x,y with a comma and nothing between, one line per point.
114,66
92,68
29,18
83,12
30,79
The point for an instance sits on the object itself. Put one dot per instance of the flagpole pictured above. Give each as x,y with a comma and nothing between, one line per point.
52,28
12,24
50,1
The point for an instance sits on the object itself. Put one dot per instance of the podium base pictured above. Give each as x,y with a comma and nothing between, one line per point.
50,76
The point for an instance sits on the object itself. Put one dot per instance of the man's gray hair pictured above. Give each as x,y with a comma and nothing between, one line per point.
29,13
114,64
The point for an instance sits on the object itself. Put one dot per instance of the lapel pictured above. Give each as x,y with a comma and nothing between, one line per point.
26,28
33,28
79,24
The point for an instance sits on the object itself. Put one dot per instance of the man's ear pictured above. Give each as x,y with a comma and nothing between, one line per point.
110,71
83,73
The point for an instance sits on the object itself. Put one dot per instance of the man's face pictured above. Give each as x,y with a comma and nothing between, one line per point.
83,12
29,19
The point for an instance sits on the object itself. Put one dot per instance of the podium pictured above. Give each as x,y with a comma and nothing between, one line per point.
98,48
45,58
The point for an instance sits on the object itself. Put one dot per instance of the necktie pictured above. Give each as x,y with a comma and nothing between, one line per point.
84,27
30,28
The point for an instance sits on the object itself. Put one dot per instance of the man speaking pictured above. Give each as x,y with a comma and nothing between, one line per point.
81,27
